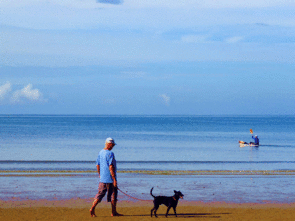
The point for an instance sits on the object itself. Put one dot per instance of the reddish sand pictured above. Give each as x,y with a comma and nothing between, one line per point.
78,209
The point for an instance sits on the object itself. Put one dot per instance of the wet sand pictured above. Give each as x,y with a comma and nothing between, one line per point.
78,209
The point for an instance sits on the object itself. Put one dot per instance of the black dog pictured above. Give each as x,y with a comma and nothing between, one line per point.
167,201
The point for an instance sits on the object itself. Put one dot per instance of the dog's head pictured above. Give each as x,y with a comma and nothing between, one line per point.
178,194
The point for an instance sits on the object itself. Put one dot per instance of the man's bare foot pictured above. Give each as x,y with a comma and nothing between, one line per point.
92,213
117,214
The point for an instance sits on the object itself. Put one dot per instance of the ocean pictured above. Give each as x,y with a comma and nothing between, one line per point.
53,156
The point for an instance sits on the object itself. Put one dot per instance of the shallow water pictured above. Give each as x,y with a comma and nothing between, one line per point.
238,189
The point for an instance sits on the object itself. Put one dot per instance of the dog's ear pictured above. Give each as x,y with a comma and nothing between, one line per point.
175,191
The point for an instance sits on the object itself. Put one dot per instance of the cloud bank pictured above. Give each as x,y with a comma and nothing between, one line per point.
74,32
4,89
26,94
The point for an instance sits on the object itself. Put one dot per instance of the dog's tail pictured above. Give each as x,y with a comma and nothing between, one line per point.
152,192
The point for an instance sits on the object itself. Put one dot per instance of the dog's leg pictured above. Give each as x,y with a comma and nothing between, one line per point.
155,211
168,210
174,208
152,211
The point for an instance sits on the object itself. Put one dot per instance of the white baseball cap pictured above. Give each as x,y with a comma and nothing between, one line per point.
110,140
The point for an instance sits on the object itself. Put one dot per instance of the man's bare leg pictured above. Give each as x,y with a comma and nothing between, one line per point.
114,209
92,210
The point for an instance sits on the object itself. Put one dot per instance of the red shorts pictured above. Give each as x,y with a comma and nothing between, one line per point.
107,187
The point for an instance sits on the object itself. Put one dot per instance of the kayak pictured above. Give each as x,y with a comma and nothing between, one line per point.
244,144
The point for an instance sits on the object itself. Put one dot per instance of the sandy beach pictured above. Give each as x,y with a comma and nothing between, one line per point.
78,209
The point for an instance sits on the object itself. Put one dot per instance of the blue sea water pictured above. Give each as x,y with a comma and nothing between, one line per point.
149,142
44,142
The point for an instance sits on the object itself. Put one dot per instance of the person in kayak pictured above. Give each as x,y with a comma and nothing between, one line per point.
256,140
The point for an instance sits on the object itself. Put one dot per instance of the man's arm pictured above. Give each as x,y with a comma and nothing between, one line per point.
98,169
112,171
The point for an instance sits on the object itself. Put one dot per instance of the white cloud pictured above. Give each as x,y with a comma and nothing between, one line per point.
27,93
234,39
207,3
89,4
152,3
129,32
4,89
165,99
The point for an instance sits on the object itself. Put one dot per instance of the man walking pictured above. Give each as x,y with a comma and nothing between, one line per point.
106,168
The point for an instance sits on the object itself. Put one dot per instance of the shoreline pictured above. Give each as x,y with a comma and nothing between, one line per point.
36,173
78,209
85,203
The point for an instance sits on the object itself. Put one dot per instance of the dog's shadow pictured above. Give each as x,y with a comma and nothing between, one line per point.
188,215
200,215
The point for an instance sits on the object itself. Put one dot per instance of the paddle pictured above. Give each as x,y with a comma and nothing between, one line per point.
245,143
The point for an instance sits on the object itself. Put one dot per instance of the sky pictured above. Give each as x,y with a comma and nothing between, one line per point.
130,57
